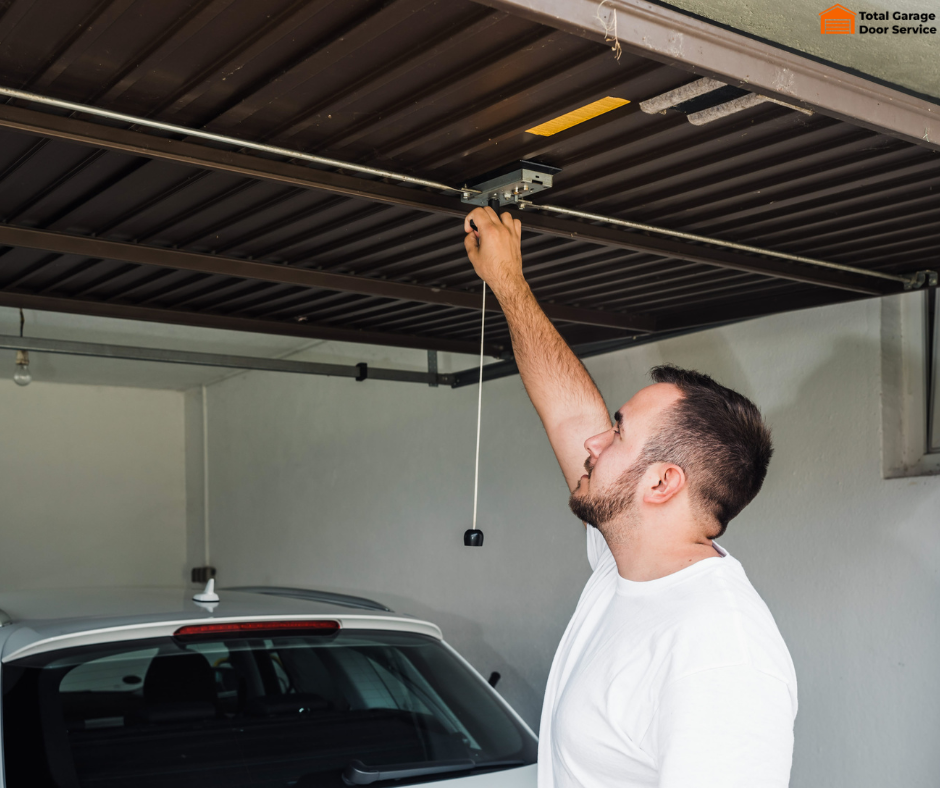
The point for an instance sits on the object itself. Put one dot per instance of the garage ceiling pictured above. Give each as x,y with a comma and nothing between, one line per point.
113,220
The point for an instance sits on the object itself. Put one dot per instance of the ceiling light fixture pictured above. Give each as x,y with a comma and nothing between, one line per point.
736,105
576,116
22,377
659,104
704,87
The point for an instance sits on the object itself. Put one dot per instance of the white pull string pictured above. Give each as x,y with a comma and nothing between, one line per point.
476,471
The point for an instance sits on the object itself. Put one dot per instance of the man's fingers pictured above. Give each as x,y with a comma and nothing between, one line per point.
512,224
485,218
472,244
477,216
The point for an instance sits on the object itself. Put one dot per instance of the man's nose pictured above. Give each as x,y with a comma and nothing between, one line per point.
597,443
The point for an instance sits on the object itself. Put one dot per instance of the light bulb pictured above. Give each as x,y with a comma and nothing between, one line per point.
22,377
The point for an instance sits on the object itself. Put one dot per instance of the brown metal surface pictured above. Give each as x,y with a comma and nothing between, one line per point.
126,222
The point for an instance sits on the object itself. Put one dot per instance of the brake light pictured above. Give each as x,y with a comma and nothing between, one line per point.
258,628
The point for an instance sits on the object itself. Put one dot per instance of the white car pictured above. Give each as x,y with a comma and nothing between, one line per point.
266,687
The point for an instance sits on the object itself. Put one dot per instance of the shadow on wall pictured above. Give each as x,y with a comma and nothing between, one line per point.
473,646
480,654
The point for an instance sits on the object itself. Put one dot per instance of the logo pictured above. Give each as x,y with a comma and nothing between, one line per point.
837,20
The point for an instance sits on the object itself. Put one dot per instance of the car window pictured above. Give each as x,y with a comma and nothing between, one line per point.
113,673
282,711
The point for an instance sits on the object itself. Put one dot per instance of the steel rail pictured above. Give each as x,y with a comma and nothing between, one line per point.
909,282
324,161
739,247
164,356
309,330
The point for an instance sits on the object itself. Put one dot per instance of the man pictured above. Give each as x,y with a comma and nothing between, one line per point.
671,672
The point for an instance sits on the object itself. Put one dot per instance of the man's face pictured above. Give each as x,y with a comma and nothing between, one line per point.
613,467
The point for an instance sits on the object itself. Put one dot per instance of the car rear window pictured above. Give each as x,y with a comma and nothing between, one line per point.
250,711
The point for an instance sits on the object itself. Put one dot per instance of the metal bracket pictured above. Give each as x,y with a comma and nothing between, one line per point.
202,574
363,370
432,368
511,186
921,279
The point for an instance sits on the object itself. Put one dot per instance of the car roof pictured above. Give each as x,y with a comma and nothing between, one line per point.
46,619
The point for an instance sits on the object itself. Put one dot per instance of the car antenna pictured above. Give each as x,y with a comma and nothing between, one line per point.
208,594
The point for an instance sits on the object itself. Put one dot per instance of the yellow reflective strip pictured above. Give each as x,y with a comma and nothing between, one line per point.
577,116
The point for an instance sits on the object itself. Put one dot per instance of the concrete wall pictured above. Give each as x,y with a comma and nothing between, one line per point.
904,60
93,486
367,487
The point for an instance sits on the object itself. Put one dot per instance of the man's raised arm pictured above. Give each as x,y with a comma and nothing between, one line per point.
565,397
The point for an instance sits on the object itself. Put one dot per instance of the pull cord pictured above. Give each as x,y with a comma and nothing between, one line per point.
476,470
473,537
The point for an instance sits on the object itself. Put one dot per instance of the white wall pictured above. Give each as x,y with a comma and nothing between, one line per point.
93,486
896,58
367,487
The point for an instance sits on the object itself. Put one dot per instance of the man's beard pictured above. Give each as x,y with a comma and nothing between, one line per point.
617,503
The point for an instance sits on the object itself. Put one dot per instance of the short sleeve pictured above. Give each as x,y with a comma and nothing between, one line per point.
729,727
597,550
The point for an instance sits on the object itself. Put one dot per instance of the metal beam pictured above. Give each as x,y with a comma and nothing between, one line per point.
670,37
75,130
79,306
160,257
164,356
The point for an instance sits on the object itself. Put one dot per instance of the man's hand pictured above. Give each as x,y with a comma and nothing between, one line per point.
495,249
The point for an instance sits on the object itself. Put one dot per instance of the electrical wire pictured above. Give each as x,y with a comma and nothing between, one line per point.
476,470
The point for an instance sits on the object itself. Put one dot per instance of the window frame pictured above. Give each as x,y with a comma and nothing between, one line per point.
932,370
909,384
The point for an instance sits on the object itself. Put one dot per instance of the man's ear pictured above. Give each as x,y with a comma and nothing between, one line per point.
663,482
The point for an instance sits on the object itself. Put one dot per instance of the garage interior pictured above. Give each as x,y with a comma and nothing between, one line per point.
124,470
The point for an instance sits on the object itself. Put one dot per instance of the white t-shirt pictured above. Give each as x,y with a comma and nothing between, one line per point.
679,682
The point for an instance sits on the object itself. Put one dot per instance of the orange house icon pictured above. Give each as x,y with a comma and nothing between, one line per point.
837,19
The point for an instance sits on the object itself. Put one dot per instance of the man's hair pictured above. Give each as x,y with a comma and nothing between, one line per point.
718,438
